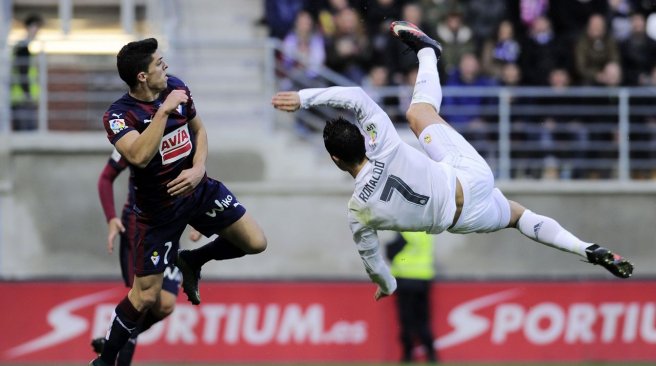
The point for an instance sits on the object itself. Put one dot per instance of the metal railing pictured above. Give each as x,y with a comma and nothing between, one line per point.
526,132
536,133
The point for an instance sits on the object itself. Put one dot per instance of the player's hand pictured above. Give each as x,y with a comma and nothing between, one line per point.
286,101
173,100
115,227
380,294
195,235
186,181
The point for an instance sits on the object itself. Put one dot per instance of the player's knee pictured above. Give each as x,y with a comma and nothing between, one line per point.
257,244
420,116
516,211
166,304
413,117
148,297
166,309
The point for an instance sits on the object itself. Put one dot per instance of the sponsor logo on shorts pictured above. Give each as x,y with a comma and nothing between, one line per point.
175,145
222,205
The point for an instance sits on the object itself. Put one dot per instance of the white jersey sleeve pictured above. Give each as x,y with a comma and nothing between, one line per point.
366,241
374,124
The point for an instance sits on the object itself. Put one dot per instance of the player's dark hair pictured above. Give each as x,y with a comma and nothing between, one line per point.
33,19
134,58
344,140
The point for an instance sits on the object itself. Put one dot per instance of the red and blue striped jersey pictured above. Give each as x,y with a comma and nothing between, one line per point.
176,147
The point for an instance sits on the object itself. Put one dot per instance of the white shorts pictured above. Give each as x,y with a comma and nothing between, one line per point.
485,208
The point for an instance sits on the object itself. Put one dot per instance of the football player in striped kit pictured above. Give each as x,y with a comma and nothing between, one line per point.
156,128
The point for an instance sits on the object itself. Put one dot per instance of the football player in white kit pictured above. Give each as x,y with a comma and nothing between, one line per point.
399,188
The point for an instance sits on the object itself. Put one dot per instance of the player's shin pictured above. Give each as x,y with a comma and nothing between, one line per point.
219,249
427,86
126,354
548,231
123,324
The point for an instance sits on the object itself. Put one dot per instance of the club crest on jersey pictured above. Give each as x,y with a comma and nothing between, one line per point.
117,125
155,258
175,145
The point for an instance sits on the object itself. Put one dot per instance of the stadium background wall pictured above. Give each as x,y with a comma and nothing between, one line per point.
51,224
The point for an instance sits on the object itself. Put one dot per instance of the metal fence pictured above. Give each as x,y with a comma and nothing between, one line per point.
536,133
527,132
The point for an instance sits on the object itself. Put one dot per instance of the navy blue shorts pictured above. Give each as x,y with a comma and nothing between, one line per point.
172,275
209,209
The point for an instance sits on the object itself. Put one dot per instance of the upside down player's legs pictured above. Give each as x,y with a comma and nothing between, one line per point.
548,231
427,86
427,94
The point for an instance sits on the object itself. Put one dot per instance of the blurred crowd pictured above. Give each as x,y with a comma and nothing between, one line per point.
518,42
551,43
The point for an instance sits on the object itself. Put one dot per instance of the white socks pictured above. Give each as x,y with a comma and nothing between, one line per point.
427,87
548,231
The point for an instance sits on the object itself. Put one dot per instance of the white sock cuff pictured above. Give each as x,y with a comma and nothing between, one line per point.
427,54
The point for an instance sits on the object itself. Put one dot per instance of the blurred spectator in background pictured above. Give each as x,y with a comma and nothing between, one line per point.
530,11
643,133
325,11
303,54
405,92
542,52
559,139
399,61
376,79
465,113
510,75
601,122
435,12
568,16
594,50
348,51
279,16
456,38
411,256
638,53
501,49
619,19
484,17
378,14
25,81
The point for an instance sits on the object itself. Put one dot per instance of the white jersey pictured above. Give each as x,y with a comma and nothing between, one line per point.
400,188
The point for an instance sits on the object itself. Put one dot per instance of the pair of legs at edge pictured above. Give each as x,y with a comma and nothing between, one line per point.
146,303
423,116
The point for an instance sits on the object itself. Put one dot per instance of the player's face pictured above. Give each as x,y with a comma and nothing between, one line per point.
156,76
